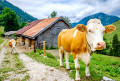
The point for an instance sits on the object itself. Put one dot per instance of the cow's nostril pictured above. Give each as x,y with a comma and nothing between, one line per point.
98,44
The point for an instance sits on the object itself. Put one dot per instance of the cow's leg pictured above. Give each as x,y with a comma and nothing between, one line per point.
77,67
14,50
61,57
86,59
67,62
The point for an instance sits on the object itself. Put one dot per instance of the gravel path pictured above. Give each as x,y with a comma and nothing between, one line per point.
41,72
2,53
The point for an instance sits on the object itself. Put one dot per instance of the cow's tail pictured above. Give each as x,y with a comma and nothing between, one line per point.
63,55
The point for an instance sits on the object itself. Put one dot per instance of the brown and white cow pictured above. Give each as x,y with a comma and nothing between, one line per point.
80,41
12,44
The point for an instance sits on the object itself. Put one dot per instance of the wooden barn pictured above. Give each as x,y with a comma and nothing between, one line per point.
42,30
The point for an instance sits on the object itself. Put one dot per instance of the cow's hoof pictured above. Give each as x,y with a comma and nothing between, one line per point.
61,66
68,69
88,77
77,80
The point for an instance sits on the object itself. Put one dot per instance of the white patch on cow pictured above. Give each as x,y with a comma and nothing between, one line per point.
77,66
13,46
96,35
87,71
75,33
67,62
85,57
61,63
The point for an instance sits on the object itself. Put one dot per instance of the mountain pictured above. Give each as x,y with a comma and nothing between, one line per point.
23,16
117,31
105,19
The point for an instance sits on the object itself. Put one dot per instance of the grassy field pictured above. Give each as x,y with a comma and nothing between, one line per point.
100,65
1,30
1,40
117,31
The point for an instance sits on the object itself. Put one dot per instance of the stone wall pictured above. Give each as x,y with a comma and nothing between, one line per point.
27,42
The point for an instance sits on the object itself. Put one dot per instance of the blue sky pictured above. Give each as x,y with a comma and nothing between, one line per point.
74,9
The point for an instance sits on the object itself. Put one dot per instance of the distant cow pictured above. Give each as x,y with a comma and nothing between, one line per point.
80,41
12,44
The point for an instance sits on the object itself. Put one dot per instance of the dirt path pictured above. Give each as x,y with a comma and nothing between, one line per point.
41,72
38,71
3,51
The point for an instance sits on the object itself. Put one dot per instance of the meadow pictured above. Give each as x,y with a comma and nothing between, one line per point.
100,65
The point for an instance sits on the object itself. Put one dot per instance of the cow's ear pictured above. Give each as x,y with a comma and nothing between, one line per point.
81,27
109,28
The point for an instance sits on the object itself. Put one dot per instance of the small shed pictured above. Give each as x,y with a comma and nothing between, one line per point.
42,30
9,34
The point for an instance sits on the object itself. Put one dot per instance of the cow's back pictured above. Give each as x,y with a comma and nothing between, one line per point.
65,39
73,43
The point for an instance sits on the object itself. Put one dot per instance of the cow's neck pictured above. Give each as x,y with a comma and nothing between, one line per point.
90,51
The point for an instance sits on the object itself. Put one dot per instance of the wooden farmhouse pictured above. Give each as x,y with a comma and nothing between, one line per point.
42,30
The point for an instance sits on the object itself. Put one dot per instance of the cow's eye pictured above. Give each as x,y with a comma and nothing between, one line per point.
90,31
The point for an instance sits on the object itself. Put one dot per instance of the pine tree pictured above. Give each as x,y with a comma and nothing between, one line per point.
67,20
1,8
115,45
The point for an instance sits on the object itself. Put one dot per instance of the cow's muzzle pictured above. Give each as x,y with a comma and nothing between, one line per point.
101,45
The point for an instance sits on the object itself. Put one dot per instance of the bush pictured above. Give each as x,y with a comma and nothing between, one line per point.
52,47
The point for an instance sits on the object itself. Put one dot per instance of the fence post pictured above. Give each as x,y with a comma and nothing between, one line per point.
34,46
44,48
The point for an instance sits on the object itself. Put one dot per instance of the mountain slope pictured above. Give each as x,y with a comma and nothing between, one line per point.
105,19
23,16
117,31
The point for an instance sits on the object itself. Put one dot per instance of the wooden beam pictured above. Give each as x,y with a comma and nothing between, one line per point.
44,48
34,47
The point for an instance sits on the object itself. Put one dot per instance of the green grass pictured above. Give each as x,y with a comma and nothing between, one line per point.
50,60
100,65
117,31
1,40
1,30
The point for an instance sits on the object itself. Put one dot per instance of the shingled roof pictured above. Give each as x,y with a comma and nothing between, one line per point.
9,33
21,31
37,27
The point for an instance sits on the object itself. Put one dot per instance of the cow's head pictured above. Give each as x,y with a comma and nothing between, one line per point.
94,33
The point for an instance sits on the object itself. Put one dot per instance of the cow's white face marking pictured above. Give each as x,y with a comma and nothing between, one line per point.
94,33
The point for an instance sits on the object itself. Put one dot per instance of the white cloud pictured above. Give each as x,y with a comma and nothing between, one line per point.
74,9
